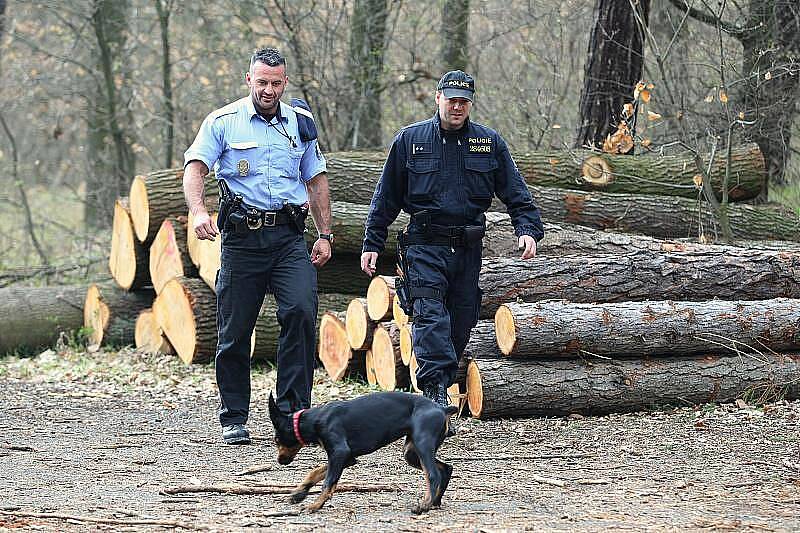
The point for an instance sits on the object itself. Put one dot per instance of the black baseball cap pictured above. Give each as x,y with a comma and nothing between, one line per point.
457,84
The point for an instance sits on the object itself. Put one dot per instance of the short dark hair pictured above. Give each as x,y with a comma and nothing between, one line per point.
269,56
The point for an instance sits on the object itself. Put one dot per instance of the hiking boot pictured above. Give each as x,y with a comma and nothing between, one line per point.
235,434
436,392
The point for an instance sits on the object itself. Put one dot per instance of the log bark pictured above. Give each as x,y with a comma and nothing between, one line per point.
34,317
562,329
110,313
380,297
347,224
128,260
500,388
691,276
390,371
185,309
360,328
267,329
148,335
664,216
158,195
353,175
169,256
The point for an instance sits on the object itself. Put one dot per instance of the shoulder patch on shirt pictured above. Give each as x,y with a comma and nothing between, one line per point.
421,148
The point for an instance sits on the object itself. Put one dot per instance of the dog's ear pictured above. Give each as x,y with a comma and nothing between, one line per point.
275,414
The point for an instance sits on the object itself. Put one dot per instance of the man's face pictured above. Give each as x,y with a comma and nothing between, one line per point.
266,86
453,112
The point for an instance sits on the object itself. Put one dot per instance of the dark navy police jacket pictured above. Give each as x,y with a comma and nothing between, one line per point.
451,175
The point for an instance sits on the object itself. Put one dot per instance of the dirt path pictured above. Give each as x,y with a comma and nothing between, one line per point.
102,435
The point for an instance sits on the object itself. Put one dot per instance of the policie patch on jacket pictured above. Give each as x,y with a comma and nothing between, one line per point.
421,148
479,145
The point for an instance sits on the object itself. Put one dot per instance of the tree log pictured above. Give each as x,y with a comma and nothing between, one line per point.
169,256
209,255
691,276
360,327
334,349
499,388
148,335
369,364
664,216
185,309
110,313
158,195
563,329
390,371
353,175
267,330
398,315
406,343
34,317
128,260
380,296
347,224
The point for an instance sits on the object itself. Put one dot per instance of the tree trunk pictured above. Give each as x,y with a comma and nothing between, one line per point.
169,255
564,329
367,49
110,313
666,216
129,259
164,10
613,68
454,36
186,311
148,335
34,317
691,276
347,224
159,194
500,388
389,368
354,175
380,297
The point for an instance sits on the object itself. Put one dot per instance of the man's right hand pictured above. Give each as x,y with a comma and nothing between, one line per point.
368,262
204,226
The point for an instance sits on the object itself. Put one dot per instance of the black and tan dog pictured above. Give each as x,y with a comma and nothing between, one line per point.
348,429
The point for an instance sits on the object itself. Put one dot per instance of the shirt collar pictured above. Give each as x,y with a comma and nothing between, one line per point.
251,109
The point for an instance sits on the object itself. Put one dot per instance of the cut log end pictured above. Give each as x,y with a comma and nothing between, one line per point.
400,317
357,324
474,390
175,314
96,315
380,295
412,372
505,329
122,260
334,348
406,344
372,377
148,335
169,257
140,208
597,171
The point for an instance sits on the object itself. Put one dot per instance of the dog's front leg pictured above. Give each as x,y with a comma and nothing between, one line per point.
315,476
337,461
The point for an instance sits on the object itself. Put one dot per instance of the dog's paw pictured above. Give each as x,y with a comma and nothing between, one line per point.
311,508
420,508
297,497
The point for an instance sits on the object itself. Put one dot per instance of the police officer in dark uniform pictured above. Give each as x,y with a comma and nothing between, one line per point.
444,172
271,174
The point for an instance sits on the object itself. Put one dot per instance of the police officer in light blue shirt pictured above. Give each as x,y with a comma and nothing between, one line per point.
271,174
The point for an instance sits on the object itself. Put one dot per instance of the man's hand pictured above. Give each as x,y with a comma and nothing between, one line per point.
204,226
368,262
320,253
529,244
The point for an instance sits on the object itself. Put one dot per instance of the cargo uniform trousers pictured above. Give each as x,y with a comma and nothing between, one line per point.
273,259
441,328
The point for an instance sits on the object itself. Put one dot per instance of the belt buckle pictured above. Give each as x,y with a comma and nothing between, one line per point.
269,218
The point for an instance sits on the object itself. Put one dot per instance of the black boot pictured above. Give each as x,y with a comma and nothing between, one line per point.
437,392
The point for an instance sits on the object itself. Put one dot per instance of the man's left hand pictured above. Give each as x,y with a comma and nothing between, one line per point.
529,244
320,253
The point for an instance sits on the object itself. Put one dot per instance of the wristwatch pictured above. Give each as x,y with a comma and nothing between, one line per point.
327,236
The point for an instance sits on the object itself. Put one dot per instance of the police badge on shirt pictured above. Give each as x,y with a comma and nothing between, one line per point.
479,145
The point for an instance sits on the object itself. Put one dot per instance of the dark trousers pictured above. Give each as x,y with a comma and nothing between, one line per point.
276,260
441,328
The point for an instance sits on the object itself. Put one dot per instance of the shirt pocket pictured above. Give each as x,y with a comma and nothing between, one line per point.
423,179
479,174
286,161
244,158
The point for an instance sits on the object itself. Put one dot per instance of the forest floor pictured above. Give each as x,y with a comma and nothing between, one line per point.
95,442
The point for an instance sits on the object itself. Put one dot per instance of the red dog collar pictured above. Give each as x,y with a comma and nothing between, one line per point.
296,425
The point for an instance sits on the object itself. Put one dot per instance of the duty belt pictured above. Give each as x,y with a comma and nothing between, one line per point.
258,218
452,236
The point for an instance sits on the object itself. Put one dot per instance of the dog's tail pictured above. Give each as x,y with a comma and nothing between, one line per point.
450,410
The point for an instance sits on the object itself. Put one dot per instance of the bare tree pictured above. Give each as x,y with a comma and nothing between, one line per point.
613,68
455,31
164,10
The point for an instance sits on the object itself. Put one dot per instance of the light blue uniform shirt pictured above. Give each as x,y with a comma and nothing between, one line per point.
254,157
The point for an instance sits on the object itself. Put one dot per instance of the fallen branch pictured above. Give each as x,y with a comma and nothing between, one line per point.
18,448
519,457
247,490
548,481
254,470
93,520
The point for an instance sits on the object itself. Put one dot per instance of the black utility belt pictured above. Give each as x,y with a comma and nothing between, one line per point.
452,236
254,218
